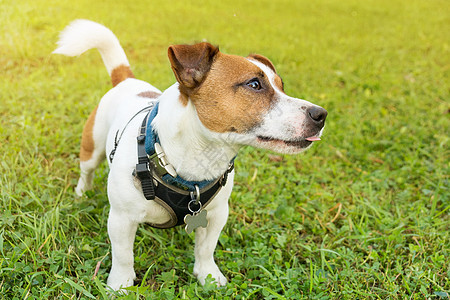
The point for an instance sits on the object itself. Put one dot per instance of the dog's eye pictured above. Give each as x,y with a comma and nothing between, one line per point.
254,84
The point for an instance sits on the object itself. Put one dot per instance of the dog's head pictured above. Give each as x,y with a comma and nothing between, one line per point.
242,100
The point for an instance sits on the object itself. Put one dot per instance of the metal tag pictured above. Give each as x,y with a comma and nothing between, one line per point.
196,220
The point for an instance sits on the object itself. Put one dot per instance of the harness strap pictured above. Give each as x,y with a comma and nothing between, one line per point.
143,171
117,138
174,199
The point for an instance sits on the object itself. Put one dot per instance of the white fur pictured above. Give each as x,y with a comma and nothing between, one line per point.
174,123
179,128
82,35
286,120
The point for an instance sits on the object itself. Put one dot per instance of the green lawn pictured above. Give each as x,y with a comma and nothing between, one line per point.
364,214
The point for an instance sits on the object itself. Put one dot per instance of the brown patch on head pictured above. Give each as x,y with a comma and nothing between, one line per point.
120,73
264,60
191,64
149,94
279,83
228,101
87,138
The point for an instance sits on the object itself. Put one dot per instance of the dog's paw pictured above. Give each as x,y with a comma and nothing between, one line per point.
83,186
118,281
79,191
202,273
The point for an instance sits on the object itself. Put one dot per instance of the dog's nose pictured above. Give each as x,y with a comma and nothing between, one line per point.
317,114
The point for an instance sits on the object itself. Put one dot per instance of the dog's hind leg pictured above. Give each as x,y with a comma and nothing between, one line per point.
92,152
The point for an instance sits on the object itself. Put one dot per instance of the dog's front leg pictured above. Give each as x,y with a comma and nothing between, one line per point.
121,232
205,244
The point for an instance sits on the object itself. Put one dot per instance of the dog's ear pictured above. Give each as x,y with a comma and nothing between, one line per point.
191,63
264,60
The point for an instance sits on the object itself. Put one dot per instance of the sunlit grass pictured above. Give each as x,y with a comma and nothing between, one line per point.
364,214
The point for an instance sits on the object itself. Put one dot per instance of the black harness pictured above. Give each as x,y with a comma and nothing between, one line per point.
176,199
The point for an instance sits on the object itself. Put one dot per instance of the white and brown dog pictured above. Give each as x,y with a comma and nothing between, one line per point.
219,103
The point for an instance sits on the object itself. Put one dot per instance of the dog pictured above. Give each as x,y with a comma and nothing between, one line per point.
193,129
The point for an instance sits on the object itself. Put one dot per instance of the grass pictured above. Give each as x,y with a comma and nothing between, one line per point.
364,214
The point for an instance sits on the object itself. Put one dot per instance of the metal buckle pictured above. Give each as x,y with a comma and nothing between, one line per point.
195,199
163,162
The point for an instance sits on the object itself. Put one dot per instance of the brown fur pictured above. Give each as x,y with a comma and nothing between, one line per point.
264,60
279,83
191,64
149,94
225,103
184,99
121,73
217,85
87,138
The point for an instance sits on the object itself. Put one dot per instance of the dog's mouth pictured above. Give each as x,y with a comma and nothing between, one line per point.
300,143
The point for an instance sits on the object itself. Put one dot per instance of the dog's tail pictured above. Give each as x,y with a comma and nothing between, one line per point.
82,35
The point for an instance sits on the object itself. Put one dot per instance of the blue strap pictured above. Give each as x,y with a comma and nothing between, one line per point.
151,136
151,139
